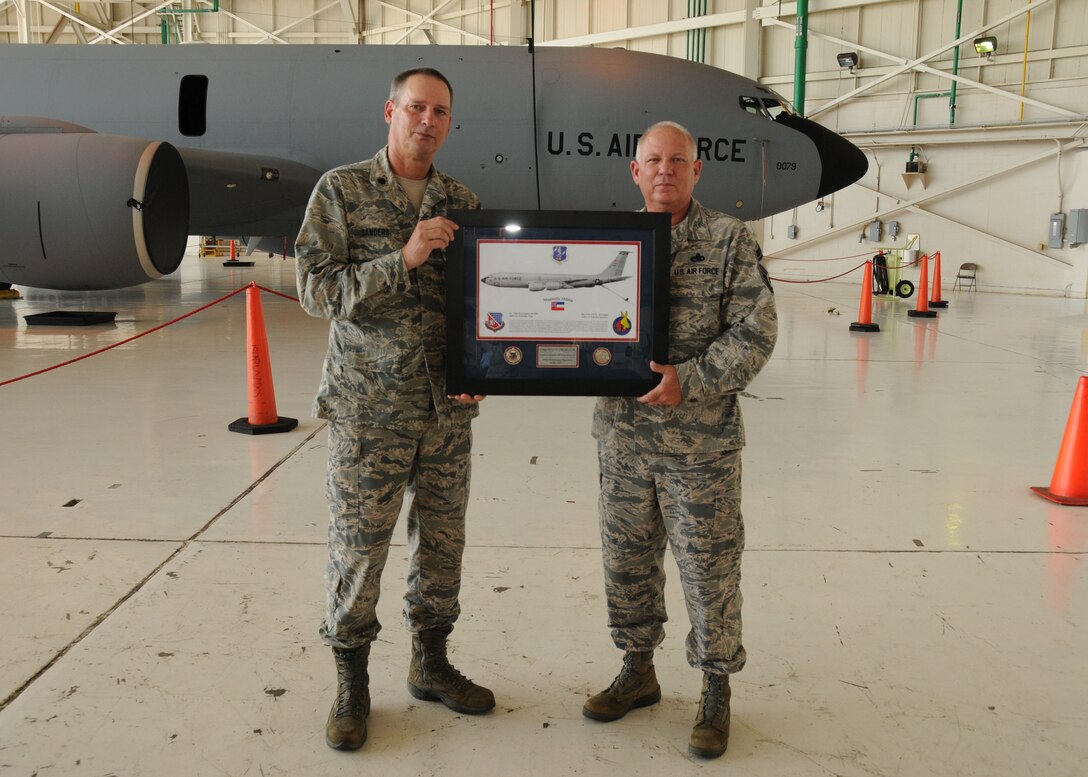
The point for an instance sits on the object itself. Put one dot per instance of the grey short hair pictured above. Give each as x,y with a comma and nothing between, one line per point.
666,125
400,79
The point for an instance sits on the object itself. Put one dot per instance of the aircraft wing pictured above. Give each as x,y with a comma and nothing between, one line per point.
246,194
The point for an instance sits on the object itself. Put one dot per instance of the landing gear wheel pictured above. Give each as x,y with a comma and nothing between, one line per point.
904,289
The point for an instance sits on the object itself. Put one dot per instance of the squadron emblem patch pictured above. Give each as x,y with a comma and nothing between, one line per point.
622,325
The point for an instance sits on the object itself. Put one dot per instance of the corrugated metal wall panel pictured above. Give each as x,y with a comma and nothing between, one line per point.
572,18
647,12
608,15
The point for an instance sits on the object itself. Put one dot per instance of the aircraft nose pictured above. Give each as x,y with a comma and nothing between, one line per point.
841,162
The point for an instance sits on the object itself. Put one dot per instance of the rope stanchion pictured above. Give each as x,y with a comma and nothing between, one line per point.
865,311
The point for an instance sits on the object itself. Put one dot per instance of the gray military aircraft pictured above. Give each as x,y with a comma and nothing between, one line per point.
111,156
556,281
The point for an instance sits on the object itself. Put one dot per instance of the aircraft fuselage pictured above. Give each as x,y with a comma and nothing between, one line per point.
552,128
548,282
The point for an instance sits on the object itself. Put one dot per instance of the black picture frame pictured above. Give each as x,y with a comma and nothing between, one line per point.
556,315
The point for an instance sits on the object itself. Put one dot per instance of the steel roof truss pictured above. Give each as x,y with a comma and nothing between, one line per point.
926,57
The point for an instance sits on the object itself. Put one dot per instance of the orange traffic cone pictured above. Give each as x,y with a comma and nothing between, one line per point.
1069,485
262,417
865,311
234,261
935,300
922,310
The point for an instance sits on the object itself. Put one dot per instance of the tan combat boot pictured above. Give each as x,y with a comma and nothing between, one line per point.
346,727
710,736
432,678
635,686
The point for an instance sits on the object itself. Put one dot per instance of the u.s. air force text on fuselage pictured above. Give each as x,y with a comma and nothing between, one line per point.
584,143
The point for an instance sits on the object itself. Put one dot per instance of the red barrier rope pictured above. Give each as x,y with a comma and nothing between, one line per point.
833,277
901,266
818,280
832,259
143,334
277,293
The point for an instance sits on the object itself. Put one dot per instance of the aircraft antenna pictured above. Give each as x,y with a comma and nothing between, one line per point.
532,68
532,24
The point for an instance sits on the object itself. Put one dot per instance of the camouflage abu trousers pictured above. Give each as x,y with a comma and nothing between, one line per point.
369,472
691,502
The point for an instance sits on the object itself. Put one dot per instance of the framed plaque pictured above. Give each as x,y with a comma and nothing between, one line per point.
556,302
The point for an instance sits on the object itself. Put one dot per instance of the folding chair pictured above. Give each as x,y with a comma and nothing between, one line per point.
965,276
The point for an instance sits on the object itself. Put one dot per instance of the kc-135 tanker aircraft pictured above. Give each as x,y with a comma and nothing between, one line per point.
556,281
111,156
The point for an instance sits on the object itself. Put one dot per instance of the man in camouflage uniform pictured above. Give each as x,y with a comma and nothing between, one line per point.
670,459
370,259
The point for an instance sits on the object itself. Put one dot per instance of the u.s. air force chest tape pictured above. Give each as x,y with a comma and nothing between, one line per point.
693,263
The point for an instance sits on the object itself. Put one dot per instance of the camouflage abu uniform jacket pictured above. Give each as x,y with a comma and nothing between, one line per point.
722,329
387,340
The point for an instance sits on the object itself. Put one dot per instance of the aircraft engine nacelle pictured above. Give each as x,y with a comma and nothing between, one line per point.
536,286
554,286
88,211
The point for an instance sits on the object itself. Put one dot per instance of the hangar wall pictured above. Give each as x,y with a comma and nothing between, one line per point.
995,172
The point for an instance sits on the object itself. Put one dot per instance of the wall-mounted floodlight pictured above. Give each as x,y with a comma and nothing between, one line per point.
986,45
848,60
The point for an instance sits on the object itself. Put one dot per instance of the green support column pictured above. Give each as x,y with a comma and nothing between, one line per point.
955,67
800,47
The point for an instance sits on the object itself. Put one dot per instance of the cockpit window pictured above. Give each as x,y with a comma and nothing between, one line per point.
770,107
753,105
775,107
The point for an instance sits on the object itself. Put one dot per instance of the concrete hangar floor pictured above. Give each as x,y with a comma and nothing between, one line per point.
910,607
